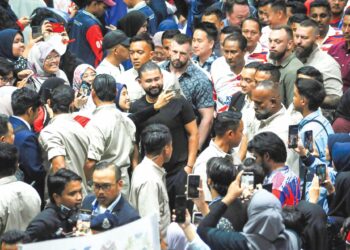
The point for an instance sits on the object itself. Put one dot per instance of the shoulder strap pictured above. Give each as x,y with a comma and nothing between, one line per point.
317,121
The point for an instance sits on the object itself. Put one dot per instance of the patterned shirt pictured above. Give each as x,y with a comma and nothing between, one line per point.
334,36
195,85
207,64
285,186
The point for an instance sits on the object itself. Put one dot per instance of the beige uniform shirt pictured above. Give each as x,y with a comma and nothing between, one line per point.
64,136
148,193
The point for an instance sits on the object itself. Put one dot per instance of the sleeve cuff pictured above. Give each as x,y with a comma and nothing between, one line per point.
20,25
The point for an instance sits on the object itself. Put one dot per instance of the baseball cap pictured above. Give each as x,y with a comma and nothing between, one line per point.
110,3
115,37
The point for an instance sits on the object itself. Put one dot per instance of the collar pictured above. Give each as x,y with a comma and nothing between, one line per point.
24,121
288,60
331,32
280,169
312,55
92,16
219,198
96,208
149,162
138,6
310,117
282,111
189,69
8,179
213,144
105,106
66,116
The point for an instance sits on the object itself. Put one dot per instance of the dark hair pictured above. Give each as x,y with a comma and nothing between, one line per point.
105,86
143,37
229,4
230,30
61,99
222,172
279,5
297,7
148,66
23,99
47,87
213,11
56,183
228,120
293,219
321,3
272,70
263,3
254,20
287,29
259,173
4,129
154,138
312,90
310,23
269,142
253,65
311,72
347,12
39,15
297,18
6,66
12,237
104,165
8,159
169,34
182,39
209,29
237,37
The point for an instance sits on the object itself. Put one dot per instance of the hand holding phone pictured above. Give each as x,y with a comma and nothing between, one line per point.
83,223
248,180
193,182
293,136
321,172
180,208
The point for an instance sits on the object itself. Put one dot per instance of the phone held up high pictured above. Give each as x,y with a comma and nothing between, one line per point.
180,208
321,172
192,186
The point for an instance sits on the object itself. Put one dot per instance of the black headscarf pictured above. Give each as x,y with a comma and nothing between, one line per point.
314,235
340,205
132,22
343,109
6,37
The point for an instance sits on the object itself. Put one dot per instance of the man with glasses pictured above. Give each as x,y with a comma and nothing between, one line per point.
107,186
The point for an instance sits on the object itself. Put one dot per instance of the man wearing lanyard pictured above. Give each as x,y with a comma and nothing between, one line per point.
86,29
107,186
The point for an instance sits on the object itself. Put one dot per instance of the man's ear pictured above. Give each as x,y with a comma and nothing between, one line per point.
152,54
266,156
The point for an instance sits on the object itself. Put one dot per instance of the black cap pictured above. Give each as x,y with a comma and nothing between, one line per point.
114,38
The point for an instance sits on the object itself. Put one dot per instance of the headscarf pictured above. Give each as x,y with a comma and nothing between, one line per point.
36,59
78,75
341,156
343,109
48,86
6,37
117,97
132,22
315,232
167,24
265,228
340,205
333,138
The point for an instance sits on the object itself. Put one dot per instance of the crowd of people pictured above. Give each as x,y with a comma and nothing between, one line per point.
108,106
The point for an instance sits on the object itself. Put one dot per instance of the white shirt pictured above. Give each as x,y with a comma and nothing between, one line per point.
106,67
265,34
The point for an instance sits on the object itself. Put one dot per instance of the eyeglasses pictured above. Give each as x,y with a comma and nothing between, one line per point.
103,186
52,58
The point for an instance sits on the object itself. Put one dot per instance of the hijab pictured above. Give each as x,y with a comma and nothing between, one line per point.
78,75
117,97
341,156
340,205
343,109
339,137
315,232
132,22
36,59
6,37
265,228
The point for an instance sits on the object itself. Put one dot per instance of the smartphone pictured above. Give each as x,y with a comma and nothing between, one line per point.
57,27
176,92
309,140
192,186
197,217
83,223
36,31
85,89
321,172
247,179
180,208
293,136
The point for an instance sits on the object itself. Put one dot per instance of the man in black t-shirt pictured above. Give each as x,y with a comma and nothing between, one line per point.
179,117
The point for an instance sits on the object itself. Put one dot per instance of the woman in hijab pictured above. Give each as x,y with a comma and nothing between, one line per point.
342,114
83,73
264,229
133,23
44,59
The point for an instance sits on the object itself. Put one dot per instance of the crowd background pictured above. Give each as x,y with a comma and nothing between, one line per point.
108,106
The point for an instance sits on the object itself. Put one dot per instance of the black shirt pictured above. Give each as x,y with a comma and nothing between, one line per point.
175,116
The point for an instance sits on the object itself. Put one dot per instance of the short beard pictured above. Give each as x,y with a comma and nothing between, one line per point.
153,94
177,64
262,116
303,53
277,56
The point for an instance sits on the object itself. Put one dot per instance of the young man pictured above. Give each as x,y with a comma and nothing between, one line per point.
6,130
57,219
86,29
236,12
337,8
270,152
148,193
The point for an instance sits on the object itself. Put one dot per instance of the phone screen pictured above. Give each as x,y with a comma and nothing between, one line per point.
192,186
36,31
321,172
309,141
293,136
83,223
197,217
247,179
180,208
